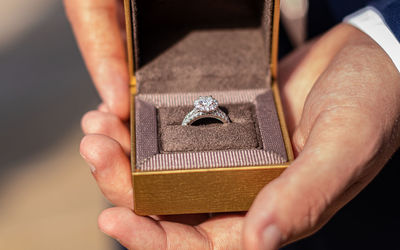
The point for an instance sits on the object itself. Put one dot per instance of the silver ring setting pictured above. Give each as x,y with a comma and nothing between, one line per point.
205,107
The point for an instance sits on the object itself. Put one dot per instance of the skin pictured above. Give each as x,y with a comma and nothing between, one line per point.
98,27
341,99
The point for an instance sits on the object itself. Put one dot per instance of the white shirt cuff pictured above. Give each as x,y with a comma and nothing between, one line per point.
370,21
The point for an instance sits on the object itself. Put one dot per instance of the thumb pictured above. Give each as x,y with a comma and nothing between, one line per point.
348,130
326,175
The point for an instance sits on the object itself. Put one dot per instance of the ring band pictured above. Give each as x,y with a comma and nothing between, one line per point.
205,107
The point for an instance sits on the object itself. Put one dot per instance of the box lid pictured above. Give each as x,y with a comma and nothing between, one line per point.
188,46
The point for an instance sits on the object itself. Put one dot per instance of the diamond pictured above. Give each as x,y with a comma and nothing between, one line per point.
206,104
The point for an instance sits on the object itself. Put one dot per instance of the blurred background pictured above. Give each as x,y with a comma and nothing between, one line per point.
48,198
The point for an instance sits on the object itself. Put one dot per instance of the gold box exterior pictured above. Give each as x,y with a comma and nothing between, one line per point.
207,190
200,191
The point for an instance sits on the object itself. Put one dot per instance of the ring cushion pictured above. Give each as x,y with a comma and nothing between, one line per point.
186,49
240,134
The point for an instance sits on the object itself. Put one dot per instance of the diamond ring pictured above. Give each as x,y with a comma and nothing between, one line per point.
205,107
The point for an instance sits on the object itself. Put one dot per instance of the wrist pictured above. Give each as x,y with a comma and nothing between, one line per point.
370,21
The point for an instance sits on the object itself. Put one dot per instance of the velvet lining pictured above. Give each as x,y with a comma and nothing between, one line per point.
241,133
188,46
255,126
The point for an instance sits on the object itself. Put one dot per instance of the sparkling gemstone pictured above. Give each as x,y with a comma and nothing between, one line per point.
206,104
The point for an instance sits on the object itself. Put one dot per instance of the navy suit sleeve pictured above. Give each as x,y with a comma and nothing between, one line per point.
390,11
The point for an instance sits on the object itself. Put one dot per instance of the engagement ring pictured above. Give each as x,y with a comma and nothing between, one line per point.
205,107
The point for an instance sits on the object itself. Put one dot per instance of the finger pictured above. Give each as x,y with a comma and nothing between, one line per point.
103,108
299,71
340,137
188,219
110,167
224,231
97,122
96,26
137,232
308,193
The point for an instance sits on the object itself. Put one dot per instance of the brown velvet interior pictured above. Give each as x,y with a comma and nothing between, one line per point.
190,46
241,133
253,138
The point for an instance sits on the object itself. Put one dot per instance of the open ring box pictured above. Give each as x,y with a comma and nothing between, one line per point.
179,50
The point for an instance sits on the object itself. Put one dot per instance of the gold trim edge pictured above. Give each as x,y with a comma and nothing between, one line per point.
225,169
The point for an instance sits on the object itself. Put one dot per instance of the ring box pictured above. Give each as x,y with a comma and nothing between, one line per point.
179,50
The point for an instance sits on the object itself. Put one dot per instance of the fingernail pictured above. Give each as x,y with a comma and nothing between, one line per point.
92,169
271,238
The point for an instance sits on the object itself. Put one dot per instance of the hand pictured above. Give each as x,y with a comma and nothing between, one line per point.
99,28
341,97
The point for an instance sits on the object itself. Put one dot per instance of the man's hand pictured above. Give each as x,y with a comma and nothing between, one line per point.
341,97
342,101
99,28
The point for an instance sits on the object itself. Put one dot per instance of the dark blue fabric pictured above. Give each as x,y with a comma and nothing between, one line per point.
342,8
324,14
390,11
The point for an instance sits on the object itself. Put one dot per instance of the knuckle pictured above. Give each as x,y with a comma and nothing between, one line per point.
105,222
97,122
298,140
96,147
317,206
308,215
91,122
